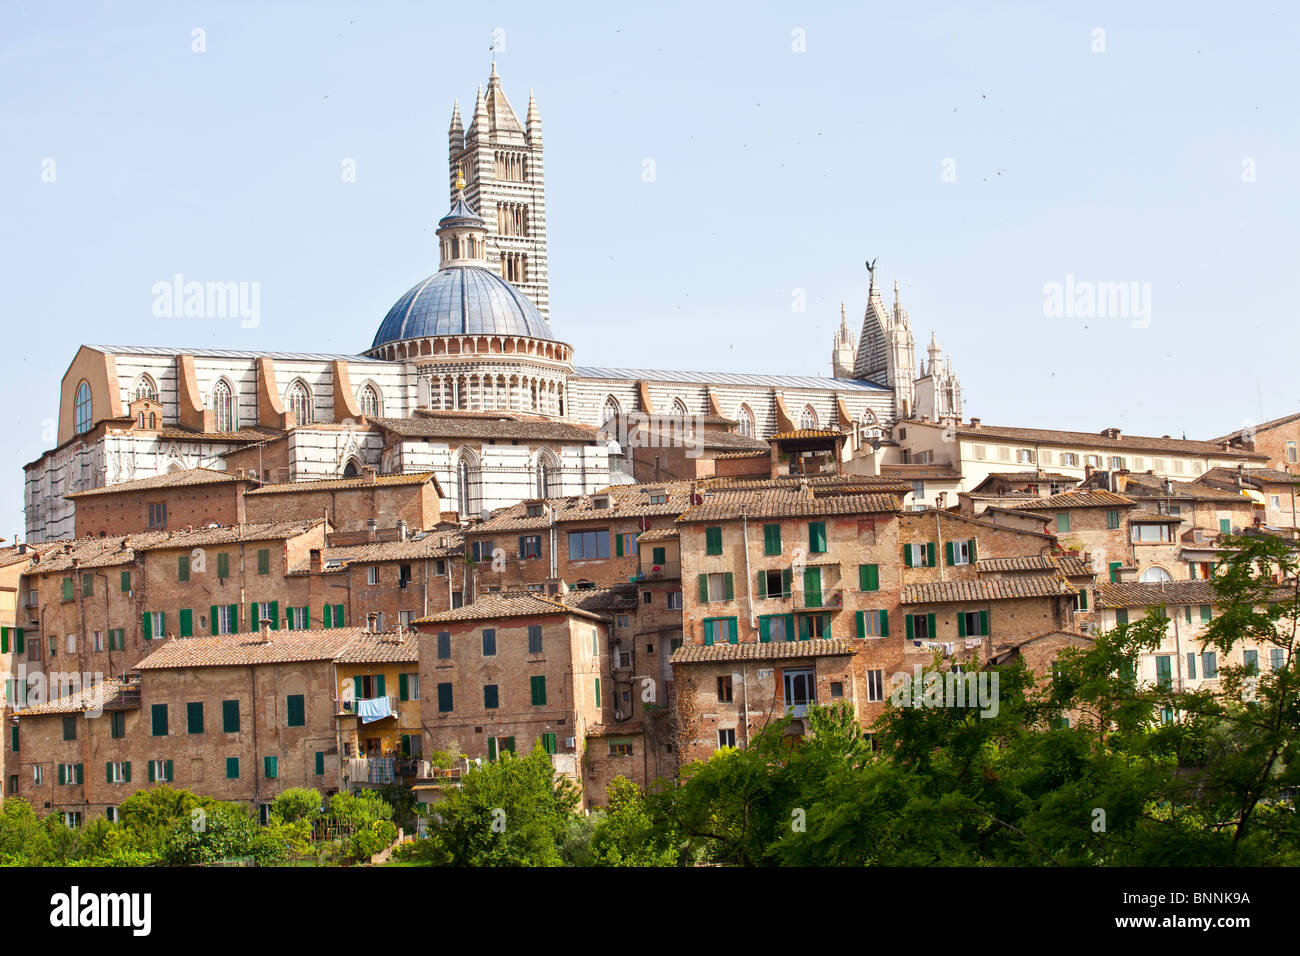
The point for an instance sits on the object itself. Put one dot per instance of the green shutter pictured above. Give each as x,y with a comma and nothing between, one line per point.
151,771
1063,521
929,554
984,623
708,632
403,692
884,623
618,546
771,539
194,718
67,589
264,561
869,577
232,768
213,618
4,640
273,612
108,772
728,588
223,565
973,555
713,540
817,536
704,588
295,710
538,689
492,749
183,568
934,632
186,622
762,584
230,716
159,720
379,686
320,763
911,629
947,552
269,767
907,555
787,581
1121,615
961,623
1206,612
597,691
860,619
339,619
444,697
327,617
234,619
764,630
19,642
659,556
147,634
126,581
732,636
548,743
126,771
167,770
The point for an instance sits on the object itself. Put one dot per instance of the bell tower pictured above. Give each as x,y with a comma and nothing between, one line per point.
505,181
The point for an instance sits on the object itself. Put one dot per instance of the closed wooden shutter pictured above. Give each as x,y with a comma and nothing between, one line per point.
728,588
884,623
704,588
186,622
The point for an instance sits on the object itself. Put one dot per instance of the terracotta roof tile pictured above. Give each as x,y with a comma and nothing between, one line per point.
785,503
113,693
241,650
344,484
175,479
1077,499
753,651
1150,486
384,647
1135,594
1099,440
985,589
506,604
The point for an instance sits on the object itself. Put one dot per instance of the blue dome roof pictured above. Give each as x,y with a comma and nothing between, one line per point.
462,300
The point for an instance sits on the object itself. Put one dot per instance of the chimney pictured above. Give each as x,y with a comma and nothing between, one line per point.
367,474
974,423
313,558
239,473
372,526
264,631
401,529
1111,432
371,621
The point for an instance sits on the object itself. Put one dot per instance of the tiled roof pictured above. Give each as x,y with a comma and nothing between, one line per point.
719,440
122,549
919,473
1147,595
501,425
914,517
1073,566
173,433
386,647
800,433
626,501
737,455
113,693
1097,440
237,650
491,607
1077,499
1150,486
767,651
620,597
429,546
1026,562
729,378
819,484
1273,423
1142,516
1260,476
174,479
785,503
1030,476
986,589
344,484
658,534
21,554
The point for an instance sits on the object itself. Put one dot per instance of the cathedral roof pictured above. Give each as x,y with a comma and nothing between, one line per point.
459,300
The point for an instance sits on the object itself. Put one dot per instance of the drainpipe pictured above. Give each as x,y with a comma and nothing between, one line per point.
1178,651
257,773
749,583
744,696
550,524
938,549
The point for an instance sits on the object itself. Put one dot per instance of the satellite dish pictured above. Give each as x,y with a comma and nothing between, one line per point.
697,498
645,523
485,514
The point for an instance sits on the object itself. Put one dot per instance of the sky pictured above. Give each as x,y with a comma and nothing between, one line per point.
716,177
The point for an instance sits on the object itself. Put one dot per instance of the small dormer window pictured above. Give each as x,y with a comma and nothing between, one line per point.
600,501
533,510
659,498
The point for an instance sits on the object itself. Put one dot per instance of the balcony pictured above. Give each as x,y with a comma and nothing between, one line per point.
380,771
666,571
826,599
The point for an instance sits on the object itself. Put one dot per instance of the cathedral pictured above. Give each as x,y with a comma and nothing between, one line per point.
464,378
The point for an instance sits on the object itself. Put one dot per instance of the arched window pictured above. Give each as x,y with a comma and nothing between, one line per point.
223,403
1155,576
369,402
298,401
746,420
142,419
153,420
610,411
81,409
679,408
809,418
467,484
352,469
144,388
544,474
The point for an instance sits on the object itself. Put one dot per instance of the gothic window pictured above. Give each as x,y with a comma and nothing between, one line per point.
544,474
81,408
352,470
298,400
144,388
746,419
223,404
370,402
467,484
610,411
679,408
809,418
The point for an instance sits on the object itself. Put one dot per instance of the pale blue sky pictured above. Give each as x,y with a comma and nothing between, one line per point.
776,171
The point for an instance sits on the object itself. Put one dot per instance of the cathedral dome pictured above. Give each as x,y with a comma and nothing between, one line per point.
464,297
460,300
